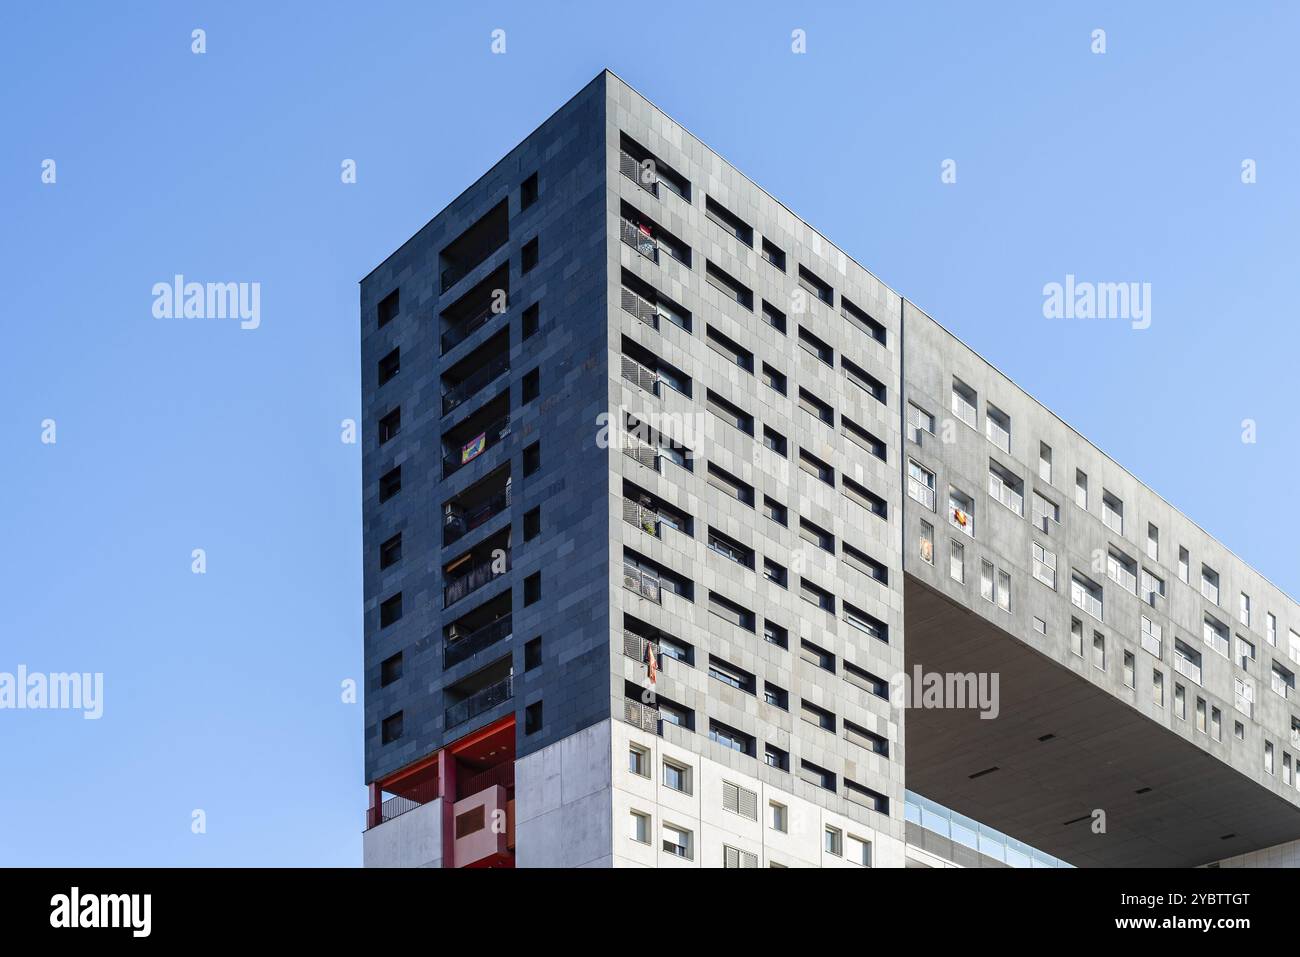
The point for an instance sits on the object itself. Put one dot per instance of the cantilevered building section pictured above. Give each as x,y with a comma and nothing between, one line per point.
662,491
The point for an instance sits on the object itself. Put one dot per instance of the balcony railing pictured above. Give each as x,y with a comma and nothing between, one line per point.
640,307
476,446
1281,686
629,167
644,583
502,774
634,648
640,240
640,376
646,519
457,523
998,435
920,492
473,383
398,805
1187,668
481,701
459,649
1244,703
462,331
641,715
642,454
483,572
1151,643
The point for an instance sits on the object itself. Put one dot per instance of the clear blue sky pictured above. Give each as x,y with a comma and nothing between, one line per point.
222,690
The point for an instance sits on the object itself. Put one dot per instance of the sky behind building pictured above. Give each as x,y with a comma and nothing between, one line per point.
222,690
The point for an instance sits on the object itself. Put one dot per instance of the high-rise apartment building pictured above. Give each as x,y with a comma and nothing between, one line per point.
667,501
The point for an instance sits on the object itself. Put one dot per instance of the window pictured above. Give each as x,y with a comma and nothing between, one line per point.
1184,563
1202,724
775,696
861,495
815,467
528,256
919,423
1215,634
1153,542
390,670
1046,514
1268,757
778,817
864,381
1157,688
775,511
961,511
1243,612
529,321
964,400
1086,594
640,827
1044,565
861,678
1040,626
528,192
1180,702
817,776
533,718
864,439
773,380
1122,570
729,611
775,572
774,440
1210,583
816,535
859,851
814,406
388,308
728,413
774,317
390,483
1152,635
1243,697
834,842
1045,462
773,255
1187,660
1007,488
391,728
1153,587
816,347
875,743
729,349
816,655
1270,628
815,286
926,543
390,365
735,857
638,761
391,551
1130,669
728,221
818,717
732,486
532,523
774,634
956,561
997,425
774,757
390,610
1245,652
1099,651
816,595
859,318
729,674
1081,489
532,589
677,777
728,285
1112,512
729,548
1216,724
869,624
986,580
677,842
729,737
1076,636
531,387
920,484
532,458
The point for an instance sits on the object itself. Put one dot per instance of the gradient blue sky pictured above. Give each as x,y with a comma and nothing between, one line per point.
222,690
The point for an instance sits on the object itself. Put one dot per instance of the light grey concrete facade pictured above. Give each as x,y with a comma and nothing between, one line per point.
720,407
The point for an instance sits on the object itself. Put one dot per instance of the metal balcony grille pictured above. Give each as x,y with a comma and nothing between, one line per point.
460,649
480,701
643,716
629,167
640,307
640,376
643,583
639,240
643,518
